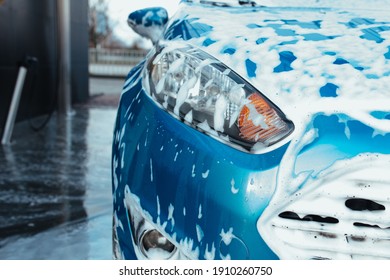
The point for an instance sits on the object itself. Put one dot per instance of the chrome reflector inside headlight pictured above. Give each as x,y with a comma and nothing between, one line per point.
153,243
206,94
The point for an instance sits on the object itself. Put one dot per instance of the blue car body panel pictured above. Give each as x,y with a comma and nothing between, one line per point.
153,150
216,202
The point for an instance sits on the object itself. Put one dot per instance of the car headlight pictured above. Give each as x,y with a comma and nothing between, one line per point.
201,91
149,239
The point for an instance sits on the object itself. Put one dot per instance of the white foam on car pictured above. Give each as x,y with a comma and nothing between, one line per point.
358,95
297,93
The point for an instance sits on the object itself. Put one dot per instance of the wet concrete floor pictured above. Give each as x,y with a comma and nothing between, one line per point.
55,186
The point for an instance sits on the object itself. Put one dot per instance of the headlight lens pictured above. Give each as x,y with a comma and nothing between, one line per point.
206,94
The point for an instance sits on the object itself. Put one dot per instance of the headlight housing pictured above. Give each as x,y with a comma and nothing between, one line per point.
204,93
149,238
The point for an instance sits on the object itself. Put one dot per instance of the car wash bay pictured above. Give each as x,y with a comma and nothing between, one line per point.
55,185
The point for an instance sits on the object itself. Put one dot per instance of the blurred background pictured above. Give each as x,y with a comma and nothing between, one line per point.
62,67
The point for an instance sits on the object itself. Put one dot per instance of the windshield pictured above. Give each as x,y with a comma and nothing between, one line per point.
226,3
357,4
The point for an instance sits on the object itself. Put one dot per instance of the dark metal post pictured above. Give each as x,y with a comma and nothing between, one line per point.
65,91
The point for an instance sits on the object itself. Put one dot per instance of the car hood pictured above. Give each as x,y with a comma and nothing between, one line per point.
307,60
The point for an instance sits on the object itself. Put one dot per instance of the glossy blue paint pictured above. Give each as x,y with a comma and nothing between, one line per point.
338,145
282,30
292,42
373,34
330,53
251,68
340,61
329,90
316,24
360,138
387,55
372,76
253,26
261,40
357,22
286,58
149,23
186,29
317,37
229,50
149,17
208,42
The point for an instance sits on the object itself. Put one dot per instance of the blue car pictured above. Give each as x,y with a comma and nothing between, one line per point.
256,130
